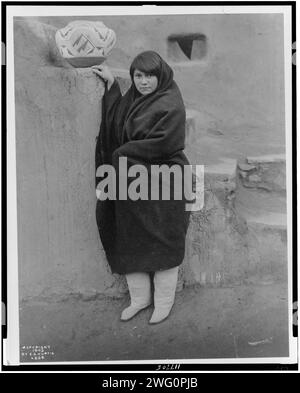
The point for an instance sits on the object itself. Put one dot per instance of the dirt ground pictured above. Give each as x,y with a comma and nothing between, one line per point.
238,322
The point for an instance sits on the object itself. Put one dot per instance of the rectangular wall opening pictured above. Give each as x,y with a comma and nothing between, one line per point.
187,47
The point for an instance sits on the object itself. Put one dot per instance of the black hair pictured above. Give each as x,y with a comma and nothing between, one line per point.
148,62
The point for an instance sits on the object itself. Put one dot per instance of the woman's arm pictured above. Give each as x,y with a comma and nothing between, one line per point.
105,73
112,94
106,140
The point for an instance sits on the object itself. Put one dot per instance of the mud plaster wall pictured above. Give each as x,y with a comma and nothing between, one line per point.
58,112
239,84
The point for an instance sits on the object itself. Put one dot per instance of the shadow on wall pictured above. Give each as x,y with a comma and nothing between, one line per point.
35,43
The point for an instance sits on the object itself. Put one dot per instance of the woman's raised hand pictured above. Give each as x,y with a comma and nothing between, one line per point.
105,73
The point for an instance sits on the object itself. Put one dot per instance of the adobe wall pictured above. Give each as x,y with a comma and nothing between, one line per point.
237,86
58,114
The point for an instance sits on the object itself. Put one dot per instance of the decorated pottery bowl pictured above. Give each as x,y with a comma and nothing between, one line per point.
85,43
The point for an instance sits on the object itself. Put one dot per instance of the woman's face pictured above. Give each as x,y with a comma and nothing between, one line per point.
144,83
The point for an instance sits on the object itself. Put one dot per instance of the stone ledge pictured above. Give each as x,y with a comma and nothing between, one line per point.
246,167
266,159
264,172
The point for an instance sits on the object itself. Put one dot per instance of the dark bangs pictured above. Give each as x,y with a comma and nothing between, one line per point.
148,62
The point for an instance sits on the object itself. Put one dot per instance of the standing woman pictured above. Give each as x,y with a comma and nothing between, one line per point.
141,236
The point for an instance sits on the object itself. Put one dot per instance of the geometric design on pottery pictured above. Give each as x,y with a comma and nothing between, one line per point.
85,43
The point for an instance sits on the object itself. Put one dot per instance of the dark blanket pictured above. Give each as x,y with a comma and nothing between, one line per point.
143,235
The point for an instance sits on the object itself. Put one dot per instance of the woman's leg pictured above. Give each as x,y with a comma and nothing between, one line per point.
165,282
139,286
